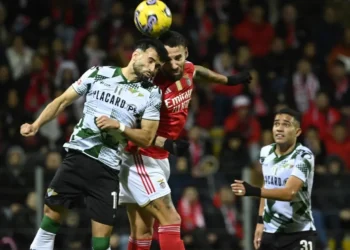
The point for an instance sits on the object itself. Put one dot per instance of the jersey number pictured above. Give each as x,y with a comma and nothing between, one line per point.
115,200
306,245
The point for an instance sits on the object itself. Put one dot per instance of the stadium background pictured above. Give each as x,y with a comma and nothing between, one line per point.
299,56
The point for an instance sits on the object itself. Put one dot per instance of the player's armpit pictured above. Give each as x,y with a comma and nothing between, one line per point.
287,193
143,137
204,75
55,107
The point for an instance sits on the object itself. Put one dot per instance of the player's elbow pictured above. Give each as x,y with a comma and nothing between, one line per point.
148,142
289,195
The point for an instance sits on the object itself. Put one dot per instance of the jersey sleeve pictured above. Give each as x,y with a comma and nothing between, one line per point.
83,84
190,68
303,166
152,111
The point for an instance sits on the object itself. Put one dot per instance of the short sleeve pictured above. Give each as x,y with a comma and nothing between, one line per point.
154,104
303,166
83,84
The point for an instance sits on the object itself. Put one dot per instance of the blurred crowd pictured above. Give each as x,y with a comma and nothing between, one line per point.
298,53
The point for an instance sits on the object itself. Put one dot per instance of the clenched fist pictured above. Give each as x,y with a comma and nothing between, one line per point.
104,122
28,130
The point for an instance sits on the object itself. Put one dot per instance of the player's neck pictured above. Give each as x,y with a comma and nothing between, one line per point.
129,74
284,149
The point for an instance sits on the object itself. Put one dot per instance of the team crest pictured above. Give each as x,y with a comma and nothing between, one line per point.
188,80
162,183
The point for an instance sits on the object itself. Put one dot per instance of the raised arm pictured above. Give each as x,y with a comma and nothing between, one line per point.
203,75
51,111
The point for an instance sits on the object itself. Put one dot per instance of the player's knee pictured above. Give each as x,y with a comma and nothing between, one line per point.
100,243
174,217
170,218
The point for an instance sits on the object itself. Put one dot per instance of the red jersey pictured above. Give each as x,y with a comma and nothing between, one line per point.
173,113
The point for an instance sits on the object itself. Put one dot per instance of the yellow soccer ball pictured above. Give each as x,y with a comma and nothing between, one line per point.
152,18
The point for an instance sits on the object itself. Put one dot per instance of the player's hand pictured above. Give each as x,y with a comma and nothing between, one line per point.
28,130
176,147
238,188
243,188
258,235
240,78
104,122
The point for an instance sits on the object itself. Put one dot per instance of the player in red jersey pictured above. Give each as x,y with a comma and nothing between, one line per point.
145,171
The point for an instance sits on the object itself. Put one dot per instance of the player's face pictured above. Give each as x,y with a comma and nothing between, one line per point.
285,129
146,64
174,69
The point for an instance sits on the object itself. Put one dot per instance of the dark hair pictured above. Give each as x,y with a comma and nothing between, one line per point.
295,114
147,43
173,39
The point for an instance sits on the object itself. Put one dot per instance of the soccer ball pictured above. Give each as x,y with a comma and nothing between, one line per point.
152,18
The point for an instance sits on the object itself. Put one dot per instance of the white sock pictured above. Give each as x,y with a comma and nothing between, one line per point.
43,240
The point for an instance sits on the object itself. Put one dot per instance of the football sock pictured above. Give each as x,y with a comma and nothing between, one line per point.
100,243
169,237
45,237
144,244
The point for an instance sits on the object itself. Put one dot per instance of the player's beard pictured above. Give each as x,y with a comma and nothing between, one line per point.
137,67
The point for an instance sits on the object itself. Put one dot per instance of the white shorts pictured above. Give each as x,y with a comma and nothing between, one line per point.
143,179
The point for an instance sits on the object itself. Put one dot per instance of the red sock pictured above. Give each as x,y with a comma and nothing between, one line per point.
169,237
139,244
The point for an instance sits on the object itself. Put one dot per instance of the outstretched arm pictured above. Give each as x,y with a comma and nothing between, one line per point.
51,111
286,193
205,75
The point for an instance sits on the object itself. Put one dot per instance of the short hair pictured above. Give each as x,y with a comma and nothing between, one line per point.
173,39
288,111
146,43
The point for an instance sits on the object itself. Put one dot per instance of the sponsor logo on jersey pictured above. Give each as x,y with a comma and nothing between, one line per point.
115,100
273,180
179,102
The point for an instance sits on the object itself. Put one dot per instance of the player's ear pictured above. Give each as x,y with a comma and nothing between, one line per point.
135,55
298,132
186,52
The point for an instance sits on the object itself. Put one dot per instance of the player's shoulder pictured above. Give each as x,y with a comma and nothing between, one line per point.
266,151
189,67
154,90
102,72
302,152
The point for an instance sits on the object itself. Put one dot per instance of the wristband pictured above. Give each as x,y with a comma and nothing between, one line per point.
232,80
251,190
260,220
121,127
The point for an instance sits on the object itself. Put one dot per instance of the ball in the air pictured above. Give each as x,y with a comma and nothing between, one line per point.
152,18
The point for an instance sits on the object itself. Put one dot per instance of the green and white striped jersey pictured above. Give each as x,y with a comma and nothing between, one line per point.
295,215
107,92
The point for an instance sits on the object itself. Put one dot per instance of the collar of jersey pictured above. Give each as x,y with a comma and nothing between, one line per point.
283,156
125,80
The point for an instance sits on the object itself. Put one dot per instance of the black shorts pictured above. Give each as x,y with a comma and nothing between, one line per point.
289,241
81,177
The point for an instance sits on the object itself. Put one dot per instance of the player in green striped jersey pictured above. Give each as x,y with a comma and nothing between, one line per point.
285,219
120,104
